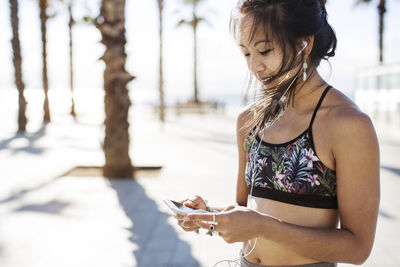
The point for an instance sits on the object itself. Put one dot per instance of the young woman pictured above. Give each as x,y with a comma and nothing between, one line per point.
308,182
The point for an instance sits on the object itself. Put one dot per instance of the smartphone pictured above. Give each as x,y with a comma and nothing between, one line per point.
179,208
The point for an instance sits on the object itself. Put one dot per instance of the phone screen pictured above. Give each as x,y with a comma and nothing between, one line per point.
178,207
178,204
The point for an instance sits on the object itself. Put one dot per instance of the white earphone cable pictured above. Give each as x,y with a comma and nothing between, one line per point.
252,160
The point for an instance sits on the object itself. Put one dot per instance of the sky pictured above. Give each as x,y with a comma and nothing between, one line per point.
222,70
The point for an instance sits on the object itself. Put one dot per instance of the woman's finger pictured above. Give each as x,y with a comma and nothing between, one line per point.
187,224
208,217
202,224
188,227
214,228
195,198
182,201
207,225
189,203
179,216
231,207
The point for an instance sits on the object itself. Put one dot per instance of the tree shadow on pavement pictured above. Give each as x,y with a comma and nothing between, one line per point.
22,192
30,148
393,170
386,215
158,242
51,207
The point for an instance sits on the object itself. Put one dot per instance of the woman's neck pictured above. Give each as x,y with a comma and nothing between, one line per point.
305,93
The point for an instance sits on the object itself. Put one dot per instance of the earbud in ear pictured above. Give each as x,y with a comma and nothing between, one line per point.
304,45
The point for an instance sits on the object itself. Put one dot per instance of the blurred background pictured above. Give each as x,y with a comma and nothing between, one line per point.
53,211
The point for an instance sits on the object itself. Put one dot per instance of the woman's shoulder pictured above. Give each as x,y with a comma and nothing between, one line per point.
245,114
341,109
244,120
343,118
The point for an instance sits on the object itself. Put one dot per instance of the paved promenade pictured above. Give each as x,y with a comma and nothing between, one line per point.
48,219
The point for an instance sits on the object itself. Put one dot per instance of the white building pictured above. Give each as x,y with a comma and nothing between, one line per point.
378,93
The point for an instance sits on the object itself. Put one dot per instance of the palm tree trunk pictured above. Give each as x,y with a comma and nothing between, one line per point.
43,19
196,96
161,82
71,61
111,24
17,60
382,10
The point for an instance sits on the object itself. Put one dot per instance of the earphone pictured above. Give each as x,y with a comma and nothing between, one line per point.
303,46
253,167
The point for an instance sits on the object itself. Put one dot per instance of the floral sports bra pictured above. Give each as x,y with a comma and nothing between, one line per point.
291,172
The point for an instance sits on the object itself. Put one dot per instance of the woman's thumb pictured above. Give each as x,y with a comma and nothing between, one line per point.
231,207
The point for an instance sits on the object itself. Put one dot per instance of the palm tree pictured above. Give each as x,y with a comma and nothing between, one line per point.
71,23
43,4
17,60
382,11
160,78
111,23
71,62
193,22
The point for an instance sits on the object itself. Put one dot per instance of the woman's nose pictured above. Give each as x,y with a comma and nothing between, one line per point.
256,65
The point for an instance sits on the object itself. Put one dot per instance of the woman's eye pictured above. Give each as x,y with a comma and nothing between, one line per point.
265,52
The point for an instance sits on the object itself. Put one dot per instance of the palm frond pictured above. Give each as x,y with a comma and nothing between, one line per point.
192,2
361,2
160,4
183,21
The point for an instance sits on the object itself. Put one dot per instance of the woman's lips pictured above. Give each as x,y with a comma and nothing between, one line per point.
265,80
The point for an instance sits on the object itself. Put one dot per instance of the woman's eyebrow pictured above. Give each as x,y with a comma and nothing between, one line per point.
260,41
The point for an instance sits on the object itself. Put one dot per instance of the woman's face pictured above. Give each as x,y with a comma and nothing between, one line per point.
263,57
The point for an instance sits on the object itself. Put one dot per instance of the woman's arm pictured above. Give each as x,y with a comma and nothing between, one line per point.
356,152
241,186
241,135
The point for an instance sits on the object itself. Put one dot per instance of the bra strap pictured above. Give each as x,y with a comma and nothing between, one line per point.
319,104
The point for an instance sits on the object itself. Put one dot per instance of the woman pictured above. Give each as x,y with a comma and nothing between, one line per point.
308,182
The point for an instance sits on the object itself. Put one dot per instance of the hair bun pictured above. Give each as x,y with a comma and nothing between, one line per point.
323,3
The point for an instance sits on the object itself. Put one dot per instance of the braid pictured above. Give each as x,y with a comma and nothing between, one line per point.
322,3
250,5
255,4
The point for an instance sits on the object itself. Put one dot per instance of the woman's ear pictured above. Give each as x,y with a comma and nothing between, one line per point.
310,44
306,44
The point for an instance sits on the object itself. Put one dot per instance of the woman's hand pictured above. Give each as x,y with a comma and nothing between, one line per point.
233,224
195,202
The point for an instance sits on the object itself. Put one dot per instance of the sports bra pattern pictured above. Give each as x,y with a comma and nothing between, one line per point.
291,172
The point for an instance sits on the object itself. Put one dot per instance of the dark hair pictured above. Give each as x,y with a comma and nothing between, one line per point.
285,22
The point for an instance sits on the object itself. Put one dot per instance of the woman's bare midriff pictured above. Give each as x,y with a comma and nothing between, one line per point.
270,253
